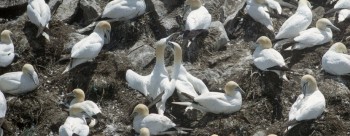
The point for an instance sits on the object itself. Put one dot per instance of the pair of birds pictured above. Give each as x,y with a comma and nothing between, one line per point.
189,88
294,28
79,109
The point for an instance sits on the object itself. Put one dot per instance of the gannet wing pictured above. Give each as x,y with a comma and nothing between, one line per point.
274,5
88,49
10,81
295,107
137,81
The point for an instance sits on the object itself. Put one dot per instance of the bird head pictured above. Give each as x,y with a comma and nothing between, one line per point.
264,42
140,109
308,84
339,48
105,28
232,87
324,23
6,36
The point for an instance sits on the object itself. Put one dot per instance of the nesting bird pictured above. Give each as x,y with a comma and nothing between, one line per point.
74,125
268,59
320,34
19,82
296,23
79,96
120,10
336,60
157,82
7,49
39,14
3,109
217,102
157,124
89,47
309,105
257,10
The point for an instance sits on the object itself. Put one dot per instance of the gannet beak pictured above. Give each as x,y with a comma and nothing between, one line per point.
133,114
108,37
35,78
71,94
334,27
240,90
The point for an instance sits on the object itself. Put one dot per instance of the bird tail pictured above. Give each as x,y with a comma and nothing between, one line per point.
40,30
73,63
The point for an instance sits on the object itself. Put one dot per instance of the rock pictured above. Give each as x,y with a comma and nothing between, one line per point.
230,22
11,3
217,36
66,10
91,10
140,55
54,4
167,19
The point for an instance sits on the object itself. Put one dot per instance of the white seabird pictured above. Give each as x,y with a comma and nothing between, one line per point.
86,108
120,10
258,11
343,6
89,47
336,61
157,124
3,109
217,102
7,49
74,125
309,105
199,18
315,36
296,23
157,82
268,59
39,14
19,82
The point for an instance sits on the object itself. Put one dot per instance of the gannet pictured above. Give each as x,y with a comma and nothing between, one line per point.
144,132
3,109
217,102
74,125
157,82
309,105
315,36
7,50
198,18
268,59
39,14
185,82
19,82
86,108
79,96
258,11
119,10
296,23
89,47
336,60
197,21
156,123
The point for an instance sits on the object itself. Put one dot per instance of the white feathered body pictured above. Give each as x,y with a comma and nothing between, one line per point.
308,107
18,82
3,106
217,102
198,19
296,23
259,14
267,58
76,125
312,37
154,122
7,54
39,13
343,14
336,63
124,9
342,4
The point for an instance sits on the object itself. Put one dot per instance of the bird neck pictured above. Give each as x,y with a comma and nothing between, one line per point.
303,3
160,54
178,55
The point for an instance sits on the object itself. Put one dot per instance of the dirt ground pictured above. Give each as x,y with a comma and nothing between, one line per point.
265,106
